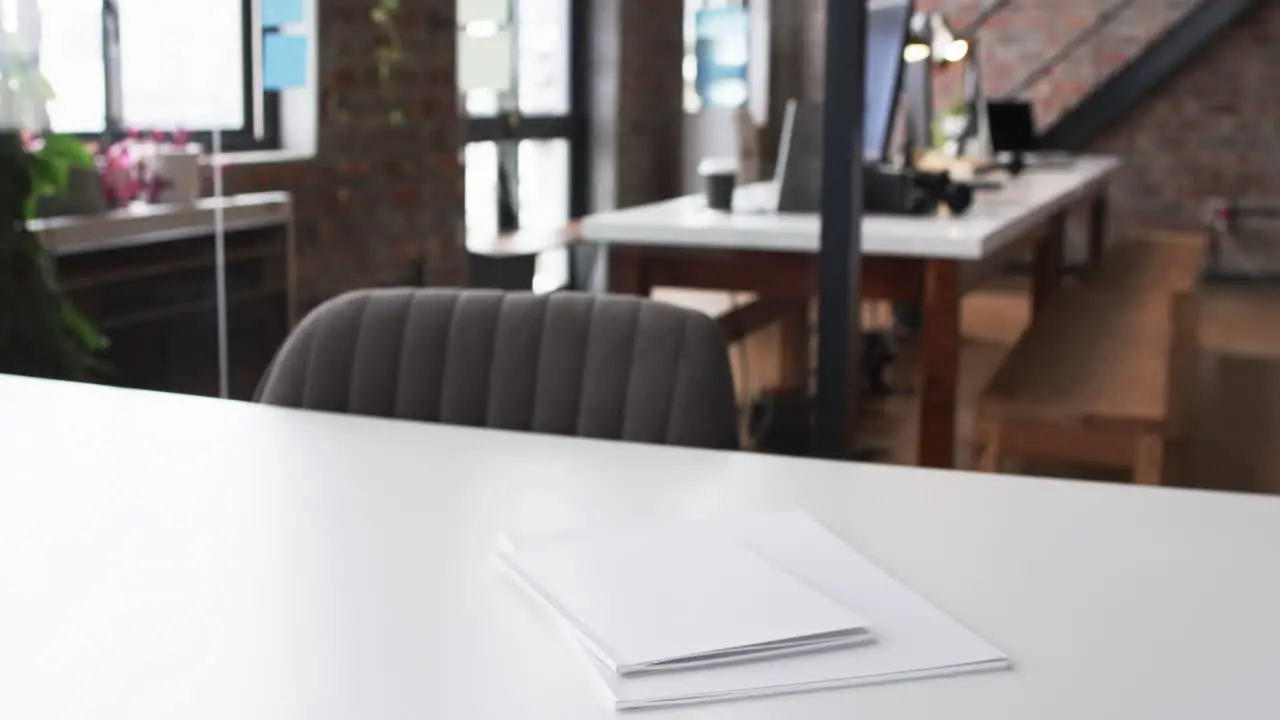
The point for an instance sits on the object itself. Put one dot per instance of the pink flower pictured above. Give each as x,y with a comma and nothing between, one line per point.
31,141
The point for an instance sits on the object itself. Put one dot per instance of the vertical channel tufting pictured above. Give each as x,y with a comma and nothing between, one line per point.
448,350
540,354
307,361
562,358
596,366
469,363
363,345
610,348
422,361
669,427
329,362
514,377
485,399
651,383
393,380
581,381
704,407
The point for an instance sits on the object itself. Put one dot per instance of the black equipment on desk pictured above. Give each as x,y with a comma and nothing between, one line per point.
907,191
1012,125
1013,130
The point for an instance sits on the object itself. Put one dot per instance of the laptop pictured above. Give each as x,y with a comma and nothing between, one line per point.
763,197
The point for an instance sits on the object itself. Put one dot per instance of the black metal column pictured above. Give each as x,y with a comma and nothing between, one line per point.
840,252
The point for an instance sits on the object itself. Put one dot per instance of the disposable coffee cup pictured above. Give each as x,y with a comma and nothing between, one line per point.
720,176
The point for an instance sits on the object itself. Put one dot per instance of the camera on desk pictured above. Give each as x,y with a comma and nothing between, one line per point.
909,191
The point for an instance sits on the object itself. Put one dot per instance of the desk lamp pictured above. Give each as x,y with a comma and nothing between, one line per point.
931,44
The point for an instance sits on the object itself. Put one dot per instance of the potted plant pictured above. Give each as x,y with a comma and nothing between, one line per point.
41,333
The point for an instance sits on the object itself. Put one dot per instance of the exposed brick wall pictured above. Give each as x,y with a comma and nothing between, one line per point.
650,114
379,204
1214,129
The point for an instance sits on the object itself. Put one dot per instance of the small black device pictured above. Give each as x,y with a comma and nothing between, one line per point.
893,191
1012,125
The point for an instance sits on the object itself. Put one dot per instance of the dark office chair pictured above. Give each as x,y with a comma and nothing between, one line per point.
596,366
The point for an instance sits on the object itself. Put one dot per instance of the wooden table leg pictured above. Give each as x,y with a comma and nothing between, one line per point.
939,364
794,351
1048,263
627,273
1098,216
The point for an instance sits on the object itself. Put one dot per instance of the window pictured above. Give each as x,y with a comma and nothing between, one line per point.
716,38
525,154
165,72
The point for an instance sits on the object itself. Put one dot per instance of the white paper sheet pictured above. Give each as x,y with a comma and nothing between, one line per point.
680,597
911,637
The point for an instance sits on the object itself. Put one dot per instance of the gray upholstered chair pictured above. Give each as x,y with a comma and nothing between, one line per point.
597,366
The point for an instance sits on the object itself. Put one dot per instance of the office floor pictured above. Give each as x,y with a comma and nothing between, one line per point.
1233,447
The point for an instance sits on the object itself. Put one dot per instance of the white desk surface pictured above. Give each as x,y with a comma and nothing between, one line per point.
169,557
996,218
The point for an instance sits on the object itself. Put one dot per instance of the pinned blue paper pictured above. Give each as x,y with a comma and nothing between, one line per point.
284,62
281,12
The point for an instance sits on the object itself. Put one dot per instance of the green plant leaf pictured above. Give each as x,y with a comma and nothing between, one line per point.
82,330
66,149
48,175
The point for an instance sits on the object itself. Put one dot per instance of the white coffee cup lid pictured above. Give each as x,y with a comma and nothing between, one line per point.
718,166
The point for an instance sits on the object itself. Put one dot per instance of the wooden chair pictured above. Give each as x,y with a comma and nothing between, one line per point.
1106,373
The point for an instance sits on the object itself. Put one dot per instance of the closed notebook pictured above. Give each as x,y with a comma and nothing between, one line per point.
649,601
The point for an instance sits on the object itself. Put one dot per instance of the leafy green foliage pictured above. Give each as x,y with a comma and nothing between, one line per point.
41,333
390,53
50,167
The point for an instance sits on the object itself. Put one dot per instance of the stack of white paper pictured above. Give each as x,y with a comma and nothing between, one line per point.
758,605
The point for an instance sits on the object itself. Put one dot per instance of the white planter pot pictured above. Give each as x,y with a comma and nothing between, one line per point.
180,167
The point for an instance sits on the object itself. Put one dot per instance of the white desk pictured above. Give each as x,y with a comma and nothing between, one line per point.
167,556
683,243
997,218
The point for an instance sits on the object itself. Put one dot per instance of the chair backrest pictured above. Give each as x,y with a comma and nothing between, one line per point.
600,366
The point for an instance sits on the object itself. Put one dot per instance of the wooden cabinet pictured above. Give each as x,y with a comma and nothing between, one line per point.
148,278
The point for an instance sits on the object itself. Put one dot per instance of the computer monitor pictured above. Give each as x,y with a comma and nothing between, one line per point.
1012,126
888,23
798,175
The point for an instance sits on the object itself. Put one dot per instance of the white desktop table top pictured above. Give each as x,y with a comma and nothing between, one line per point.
169,557
996,218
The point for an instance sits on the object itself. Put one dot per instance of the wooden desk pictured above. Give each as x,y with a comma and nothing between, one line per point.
682,243
142,225
146,276
166,556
